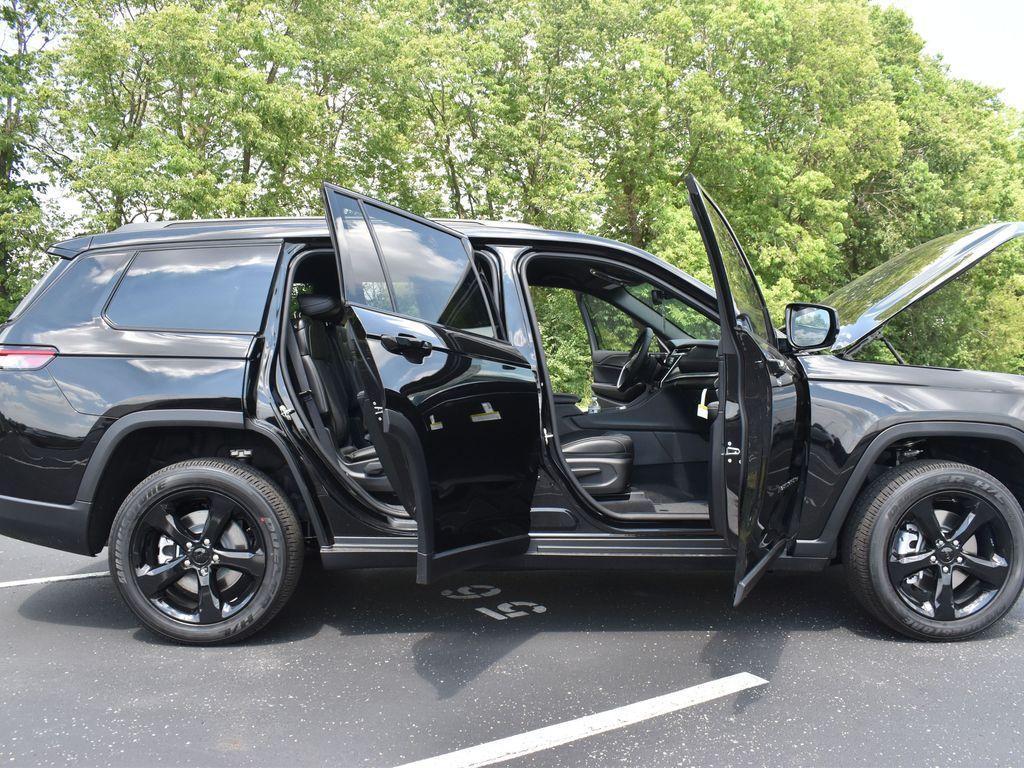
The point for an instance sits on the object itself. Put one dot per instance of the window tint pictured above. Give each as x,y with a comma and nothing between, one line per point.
681,321
197,289
361,270
430,272
615,330
750,312
48,277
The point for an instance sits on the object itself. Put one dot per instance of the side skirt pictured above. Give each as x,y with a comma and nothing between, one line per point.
565,551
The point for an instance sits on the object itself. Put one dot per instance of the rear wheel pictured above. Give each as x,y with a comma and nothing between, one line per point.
934,549
206,551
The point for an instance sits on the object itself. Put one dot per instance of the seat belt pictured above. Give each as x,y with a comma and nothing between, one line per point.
320,429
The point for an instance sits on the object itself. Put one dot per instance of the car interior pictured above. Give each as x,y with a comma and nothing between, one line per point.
636,435
315,347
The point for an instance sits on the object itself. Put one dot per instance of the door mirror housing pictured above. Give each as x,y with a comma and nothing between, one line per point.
811,326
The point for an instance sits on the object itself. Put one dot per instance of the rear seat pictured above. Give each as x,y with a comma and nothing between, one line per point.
321,357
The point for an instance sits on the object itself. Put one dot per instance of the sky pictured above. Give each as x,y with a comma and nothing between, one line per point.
980,40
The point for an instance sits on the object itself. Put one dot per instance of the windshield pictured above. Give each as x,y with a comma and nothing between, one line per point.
679,320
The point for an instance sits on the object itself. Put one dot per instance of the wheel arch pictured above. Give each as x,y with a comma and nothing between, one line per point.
140,443
939,439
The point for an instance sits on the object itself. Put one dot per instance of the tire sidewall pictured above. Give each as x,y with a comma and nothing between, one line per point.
892,510
162,485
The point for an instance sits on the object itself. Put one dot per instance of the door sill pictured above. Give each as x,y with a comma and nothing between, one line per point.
549,550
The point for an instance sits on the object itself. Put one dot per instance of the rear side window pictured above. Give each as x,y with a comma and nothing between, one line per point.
216,289
48,277
431,274
615,330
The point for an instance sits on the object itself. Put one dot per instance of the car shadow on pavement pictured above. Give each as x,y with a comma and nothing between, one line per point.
454,642
682,616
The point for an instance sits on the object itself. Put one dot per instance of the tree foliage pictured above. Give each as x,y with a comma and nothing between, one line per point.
827,135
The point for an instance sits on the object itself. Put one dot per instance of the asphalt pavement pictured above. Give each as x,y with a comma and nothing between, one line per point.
367,669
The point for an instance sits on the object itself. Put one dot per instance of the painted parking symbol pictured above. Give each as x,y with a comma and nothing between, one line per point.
513,610
471,592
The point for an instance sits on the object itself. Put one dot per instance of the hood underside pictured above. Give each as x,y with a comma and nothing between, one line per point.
876,297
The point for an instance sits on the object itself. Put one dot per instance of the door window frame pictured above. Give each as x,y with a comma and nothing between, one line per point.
552,449
362,201
745,264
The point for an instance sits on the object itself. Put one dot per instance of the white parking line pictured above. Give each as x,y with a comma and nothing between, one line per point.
572,730
51,579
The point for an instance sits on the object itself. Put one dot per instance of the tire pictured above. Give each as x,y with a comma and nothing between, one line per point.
887,535
221,591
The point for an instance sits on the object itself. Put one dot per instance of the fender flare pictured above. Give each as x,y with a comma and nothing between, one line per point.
827,543
188,417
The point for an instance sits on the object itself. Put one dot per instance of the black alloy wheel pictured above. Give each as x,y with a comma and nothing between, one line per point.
950,555
206,551
934,549
198,556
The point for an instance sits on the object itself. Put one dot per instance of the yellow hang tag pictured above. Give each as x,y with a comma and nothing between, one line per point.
702,406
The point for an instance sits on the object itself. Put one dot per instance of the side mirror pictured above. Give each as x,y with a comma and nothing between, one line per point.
811,326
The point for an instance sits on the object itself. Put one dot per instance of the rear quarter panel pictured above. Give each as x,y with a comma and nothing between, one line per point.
52,419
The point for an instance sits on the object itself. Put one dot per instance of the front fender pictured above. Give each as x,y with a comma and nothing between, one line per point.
827,542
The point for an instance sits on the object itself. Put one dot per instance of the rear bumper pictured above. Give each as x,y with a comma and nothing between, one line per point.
51,525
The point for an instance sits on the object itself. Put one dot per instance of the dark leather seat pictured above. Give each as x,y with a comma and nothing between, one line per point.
602,445
325,369
602,464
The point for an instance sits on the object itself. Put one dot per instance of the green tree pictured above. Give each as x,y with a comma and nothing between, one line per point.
28,26
830,138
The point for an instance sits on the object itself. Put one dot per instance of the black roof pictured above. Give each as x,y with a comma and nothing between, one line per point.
298,228
315,227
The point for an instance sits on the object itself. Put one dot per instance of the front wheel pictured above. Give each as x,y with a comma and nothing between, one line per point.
935,549
206,551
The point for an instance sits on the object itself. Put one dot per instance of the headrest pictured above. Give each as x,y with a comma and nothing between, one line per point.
326,309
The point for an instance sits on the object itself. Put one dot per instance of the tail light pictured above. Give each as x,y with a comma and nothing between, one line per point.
25,358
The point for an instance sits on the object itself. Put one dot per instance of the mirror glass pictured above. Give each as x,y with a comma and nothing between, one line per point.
809,326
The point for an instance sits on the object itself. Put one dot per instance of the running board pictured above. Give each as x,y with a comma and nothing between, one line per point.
549,550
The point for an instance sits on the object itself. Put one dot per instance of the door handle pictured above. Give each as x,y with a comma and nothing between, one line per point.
407,346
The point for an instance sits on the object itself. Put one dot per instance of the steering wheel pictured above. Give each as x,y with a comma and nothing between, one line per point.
638,356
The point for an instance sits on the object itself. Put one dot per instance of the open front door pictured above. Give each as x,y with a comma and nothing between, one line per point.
452,410
758,452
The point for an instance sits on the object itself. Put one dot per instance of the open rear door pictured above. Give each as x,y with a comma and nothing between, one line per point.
757,451
452,410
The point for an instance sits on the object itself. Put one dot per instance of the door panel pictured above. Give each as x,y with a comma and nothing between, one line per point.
606,371
757,449
454,415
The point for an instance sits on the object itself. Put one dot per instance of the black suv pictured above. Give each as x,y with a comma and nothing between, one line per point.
215,400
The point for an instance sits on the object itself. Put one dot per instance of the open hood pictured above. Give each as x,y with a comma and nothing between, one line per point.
876,297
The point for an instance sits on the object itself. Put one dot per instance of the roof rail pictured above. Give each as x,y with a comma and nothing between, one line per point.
238,220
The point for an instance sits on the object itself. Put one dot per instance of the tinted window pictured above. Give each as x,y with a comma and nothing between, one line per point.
431,274
198,289
750,312
564,339
681,321
48,277
361,271
615,330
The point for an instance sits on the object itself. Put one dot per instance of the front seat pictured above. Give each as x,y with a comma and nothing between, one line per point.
602,464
